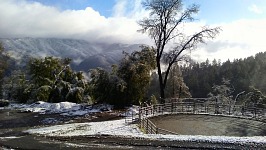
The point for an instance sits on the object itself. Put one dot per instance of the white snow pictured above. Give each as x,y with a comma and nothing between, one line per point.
132,111
9,137
63,108
120,128
114,127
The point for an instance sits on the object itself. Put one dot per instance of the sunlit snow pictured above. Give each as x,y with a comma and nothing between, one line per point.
120,128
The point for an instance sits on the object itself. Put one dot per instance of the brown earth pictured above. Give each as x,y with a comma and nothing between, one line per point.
186,124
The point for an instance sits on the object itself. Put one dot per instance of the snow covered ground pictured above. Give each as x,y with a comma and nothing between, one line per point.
115,127
120,128
62,108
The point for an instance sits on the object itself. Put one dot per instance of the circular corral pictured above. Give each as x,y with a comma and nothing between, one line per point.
209,125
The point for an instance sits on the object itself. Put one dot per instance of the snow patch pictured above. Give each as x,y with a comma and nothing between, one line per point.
115,127
120,128
62,108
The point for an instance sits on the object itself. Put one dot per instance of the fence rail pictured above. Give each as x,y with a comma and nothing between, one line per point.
194,108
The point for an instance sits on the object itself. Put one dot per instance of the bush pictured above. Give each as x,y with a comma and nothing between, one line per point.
154,100
43,93
75,95
4,103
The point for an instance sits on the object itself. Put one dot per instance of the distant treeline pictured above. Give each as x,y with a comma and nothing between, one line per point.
242,73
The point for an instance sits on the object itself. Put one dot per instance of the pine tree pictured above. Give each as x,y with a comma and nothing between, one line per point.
3,66
176,87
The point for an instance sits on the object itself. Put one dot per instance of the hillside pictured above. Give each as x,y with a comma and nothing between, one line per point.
84,55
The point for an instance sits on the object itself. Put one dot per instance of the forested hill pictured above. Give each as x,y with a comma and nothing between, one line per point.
84,54
242,73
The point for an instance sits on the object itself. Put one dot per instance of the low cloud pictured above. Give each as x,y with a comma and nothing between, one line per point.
239,39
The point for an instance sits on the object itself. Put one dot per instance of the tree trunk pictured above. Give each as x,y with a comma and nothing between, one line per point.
160,81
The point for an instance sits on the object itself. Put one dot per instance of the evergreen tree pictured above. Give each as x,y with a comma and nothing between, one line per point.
17,87
255,98
242,73
127,83
50,79
135,70
176,87
107,87
44,71
222,94
3,66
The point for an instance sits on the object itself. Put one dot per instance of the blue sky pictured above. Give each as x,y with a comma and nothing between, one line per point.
212,11
216,11
103,6
243,23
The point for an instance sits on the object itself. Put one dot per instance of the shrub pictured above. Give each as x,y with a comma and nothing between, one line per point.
4,103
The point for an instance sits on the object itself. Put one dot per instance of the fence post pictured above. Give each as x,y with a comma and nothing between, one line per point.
141,124
147,126
163,108
172,107
229,109
263,112
152,107
194,107
132,119
140,113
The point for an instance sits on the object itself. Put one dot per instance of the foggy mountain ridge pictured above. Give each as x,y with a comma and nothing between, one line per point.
85,55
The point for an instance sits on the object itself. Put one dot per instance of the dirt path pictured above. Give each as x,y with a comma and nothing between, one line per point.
111,142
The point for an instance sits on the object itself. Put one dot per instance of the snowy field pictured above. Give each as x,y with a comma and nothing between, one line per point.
115,127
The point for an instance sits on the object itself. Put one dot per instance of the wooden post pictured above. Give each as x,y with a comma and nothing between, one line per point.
194,107
229,109
147,123
140,113
132,115
172,107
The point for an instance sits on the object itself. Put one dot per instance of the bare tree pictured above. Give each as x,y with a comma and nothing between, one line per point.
164,25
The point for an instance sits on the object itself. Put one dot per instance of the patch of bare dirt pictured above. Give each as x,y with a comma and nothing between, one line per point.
210,125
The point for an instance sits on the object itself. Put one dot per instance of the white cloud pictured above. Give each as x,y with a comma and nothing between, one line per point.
120,8
27,19
130,9
255,9
239,39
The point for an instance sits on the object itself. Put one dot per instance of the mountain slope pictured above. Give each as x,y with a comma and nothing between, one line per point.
85,55
111,55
